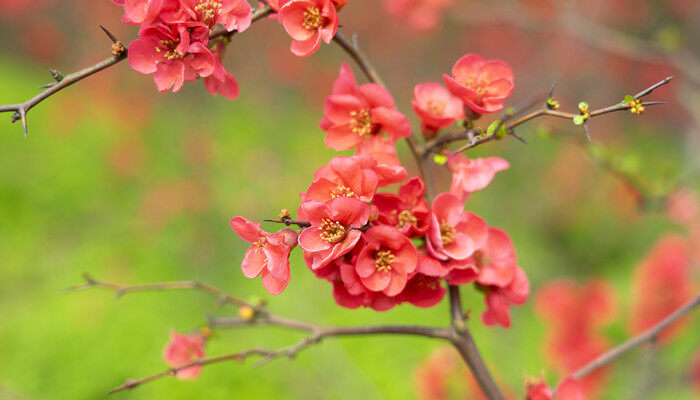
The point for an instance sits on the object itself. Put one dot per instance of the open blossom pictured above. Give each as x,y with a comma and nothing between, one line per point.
499,299
350,292
436,107
183,350
422,291
232,14
496,260
137,12
308,22
408,211
454,233
470,175
482,85
269,254
569,389
174,54
355,113
386,260
662,283
334,229
354,176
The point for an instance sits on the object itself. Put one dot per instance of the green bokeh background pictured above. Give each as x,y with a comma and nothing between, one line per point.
65,210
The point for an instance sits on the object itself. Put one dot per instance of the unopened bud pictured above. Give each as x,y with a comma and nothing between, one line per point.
246,313
285,214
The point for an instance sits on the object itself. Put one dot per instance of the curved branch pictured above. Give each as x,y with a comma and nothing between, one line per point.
648,336
473,139
22,109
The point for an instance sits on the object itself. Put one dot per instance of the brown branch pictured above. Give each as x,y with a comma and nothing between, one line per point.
317,334
22,109
121,290
473,139
648,336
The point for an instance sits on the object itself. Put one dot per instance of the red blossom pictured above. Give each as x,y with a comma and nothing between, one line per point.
221,81
173,54
408,211
334,229
308,22
388,168
436,107
183,350
470,175
568,389
269,254
386,260
454,233
482,85
232,14
421,15
355,113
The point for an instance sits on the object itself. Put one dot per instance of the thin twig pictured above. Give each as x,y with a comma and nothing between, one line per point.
21,109
648,336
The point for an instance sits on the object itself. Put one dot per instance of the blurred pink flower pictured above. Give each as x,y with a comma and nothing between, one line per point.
183,350
436,107
470,175
482,85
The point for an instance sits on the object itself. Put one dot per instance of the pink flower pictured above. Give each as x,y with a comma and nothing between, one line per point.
277,4
389,168
470,175
183,350
436,107
482,85
454,233
269,254
173,54
308,22
408,211
344,177
568,389
386,260
421,15
221,81
496,260
232,14
355,113
349,292
498,300
334,229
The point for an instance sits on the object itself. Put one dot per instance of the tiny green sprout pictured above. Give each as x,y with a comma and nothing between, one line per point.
583,106
552,104
579,120
510,111
440,159
628,99
492,128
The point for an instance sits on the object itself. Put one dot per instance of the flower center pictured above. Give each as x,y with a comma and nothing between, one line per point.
406,218
447,233
362,122
383,260
260,244
208,10
169,49
342,191
332,231
436,107
478,86
313,19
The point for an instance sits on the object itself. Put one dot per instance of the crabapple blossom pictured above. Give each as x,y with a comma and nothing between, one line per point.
568,389
470,175
232,14
137,12
388,168
173,53
355,113
421,15
454,233
334,229
408,210
482,85
183,350
386,260
269,254
422,291
436,107
221,81
308,22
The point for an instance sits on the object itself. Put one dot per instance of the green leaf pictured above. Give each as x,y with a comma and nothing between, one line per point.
628,99
492,128
440,159
578,120
583,106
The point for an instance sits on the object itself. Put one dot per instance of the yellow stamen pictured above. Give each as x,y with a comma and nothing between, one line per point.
383,260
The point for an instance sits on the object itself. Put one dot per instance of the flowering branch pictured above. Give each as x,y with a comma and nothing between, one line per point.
550,109
648,336
119,54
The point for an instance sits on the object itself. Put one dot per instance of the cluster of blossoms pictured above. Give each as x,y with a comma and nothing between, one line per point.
174,36
382,249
